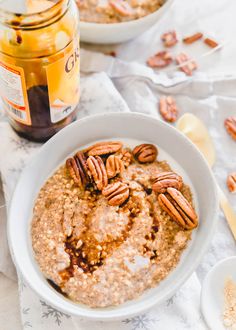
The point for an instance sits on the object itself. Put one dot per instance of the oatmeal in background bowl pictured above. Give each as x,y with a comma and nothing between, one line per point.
111,222
116,21
115,11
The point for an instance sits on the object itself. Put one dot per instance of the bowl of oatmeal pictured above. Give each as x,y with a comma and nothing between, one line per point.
114,21
118,218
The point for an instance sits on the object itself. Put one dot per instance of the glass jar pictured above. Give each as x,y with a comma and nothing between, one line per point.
39,67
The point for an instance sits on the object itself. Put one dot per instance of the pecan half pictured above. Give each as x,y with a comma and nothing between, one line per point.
191,39
231,182
82,165
145,153
168,109
121,7
97,171
77,168
73,170
104,148
230,125
210,42
186,64
114,166
160,60
116,193
169,38
178,208
126,157
165,180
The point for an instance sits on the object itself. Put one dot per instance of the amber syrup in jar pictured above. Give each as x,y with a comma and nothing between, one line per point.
39,67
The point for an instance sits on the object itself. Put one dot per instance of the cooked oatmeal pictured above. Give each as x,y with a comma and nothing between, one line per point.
102,247
115,11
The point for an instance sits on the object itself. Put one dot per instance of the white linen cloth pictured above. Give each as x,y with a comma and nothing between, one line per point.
135,87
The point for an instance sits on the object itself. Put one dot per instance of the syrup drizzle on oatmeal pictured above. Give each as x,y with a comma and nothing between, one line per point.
92,254
89,257
154,230
56,287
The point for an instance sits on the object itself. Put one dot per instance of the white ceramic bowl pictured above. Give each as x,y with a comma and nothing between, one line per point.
212,293
112,33
86,131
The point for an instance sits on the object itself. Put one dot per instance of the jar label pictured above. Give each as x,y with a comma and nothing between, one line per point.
13,92
63,83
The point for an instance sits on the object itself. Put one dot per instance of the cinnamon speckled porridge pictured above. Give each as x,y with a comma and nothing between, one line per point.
111,223
114,11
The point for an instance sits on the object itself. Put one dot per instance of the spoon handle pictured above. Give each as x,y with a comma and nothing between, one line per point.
229,213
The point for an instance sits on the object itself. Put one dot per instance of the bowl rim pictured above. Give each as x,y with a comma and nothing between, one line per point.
92,25
109,315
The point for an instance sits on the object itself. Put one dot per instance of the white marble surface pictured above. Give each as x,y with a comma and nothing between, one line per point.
216,18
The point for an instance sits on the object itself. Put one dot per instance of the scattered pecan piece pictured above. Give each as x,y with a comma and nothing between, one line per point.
145,153
160,60
191,39
111,53
169,38
121,7
186,64
230,125
104,148
178,208
126,157
97,171
231,182
210,42
168,109
114,166
78,169
165,180
116,193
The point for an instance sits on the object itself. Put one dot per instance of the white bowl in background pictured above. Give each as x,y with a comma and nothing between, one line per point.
75,136
111,33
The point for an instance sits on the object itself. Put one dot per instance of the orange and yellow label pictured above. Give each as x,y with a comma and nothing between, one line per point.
13,92
63,84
